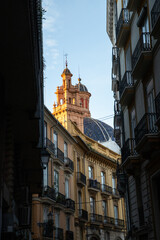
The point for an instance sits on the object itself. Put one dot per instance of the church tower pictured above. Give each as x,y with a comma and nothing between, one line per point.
72,101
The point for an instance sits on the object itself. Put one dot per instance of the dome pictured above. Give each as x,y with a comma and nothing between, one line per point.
112,145
66,71
97,130
81,87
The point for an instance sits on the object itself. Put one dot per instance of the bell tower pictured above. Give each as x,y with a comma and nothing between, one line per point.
72,101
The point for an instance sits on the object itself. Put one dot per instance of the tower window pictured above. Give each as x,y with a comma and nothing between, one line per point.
74,101
70,101
61,101
86,101
82,102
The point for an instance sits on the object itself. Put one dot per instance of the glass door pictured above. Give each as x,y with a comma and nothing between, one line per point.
55,143
56,181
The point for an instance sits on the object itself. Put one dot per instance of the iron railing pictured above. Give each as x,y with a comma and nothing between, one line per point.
157,104
124,18
81,178
117,108
60,199
59,234
128,149
143,45
95,218
69,163
83,214
127,81
93,184
108,220
49,192
106,189
48,229
69,235
59,154
50,145
119,222
115,192
115,54
155,12
70,204
146,126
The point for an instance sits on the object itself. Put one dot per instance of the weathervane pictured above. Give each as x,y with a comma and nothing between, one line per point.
66,59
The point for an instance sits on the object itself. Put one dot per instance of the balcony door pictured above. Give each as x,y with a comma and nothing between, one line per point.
145,32
104,208
90,170
55,137
80,202
66,188
56,181
151,106
114,184
45,175
133,122
102,180
56,224
116,215
45,133
92,205
78,165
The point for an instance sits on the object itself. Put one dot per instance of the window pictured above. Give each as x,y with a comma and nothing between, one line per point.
56,224
90,170
56,181
82,102
45,214
102,180
65,150
45,174
45,133
70,100
92,205
67,188
114,184
68,223
133,122
74,101
116,215
79,201
104,208
61,101
55,137
150,97
78,165
86,101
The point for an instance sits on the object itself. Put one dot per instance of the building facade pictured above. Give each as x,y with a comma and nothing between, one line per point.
133,28
21,101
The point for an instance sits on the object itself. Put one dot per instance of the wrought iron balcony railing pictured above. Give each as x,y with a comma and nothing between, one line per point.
115,54
50,145
124,18
95,218
106,189
119,222
59,234
70,204
157,104
127,81
60,198
117,108
68,163
155,12
143,45
48,229
49,192
146,126
59,154
108,220
115,192
83,214
69,235
93,184
128,149
81,178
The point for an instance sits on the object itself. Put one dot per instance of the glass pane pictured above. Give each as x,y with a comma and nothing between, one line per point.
45,175
67,188
56,181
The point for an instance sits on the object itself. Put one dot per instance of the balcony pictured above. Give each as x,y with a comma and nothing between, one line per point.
119,223
60,201
134,4
126,89
157,104
123,27
108,221
115,82
49,195
129,155
115,60
146,134
155,17
81,179
48,230
142,56
58,234
68,165
69,206
69,235
115,193
82,215
59,157
95,219
93,186
106,190
50,146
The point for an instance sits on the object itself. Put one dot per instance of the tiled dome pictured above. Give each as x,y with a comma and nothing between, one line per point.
81,87
97,130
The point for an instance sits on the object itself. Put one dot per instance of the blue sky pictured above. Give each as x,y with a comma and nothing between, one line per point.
78,28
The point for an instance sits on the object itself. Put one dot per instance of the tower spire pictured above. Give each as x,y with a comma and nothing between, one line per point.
66,55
